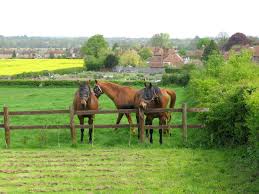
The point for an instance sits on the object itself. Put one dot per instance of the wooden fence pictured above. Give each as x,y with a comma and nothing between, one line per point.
184,126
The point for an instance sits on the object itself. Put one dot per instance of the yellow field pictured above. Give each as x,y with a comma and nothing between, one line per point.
17,66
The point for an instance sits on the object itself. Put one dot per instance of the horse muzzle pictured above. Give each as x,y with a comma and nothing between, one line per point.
143,105
83,103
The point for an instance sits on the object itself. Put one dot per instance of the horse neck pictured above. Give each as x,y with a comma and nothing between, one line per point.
111,90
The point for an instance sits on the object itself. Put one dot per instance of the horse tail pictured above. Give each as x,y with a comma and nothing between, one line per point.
172,95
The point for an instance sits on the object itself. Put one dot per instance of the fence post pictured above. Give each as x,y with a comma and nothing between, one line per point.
72,124
141,124
184,121
6,126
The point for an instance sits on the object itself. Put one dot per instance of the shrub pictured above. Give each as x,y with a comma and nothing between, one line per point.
229,88
176,78
94,64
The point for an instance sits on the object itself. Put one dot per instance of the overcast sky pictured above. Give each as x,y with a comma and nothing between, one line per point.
128,18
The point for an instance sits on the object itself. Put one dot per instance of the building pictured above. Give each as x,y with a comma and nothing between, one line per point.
165,57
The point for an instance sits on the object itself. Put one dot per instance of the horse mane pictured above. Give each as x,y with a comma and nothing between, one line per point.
113,85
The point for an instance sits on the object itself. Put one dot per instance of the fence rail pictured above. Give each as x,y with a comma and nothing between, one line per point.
184,126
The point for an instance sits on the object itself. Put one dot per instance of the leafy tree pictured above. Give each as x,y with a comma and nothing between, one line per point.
14,54
93,63
210,49
202,43
145,53
161,40
130,57
115,46
236,39
95,51
95,46
182,52
111,61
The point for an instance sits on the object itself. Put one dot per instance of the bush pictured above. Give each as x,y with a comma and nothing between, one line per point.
229,88
94,64
176,78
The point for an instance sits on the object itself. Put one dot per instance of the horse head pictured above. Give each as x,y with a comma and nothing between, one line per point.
84,93
97,89
149,94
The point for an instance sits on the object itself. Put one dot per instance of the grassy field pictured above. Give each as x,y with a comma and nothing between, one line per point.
44,161
17,66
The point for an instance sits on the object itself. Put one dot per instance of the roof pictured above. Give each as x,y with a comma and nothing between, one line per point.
174,59
156,61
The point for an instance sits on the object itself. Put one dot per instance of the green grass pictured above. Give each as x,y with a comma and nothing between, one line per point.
18,66
44,161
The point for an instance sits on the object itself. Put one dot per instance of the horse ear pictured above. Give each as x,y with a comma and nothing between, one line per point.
150,84
87,82
96,81
145,84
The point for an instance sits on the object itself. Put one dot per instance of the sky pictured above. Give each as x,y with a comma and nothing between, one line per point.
128,18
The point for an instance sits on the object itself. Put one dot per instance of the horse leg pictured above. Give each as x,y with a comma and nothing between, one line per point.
151,131
130,122
90,122
137,119
161,122
81,119
120,115
147,122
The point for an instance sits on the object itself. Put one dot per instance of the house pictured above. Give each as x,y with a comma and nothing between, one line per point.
165,57
6,53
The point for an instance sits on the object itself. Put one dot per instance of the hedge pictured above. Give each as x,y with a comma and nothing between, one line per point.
58,83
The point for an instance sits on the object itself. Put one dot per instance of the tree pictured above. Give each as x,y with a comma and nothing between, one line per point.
111,61
115,46
236,39
222,38
130,57
202,43
95,51
182,52
161,40
14,54
95,46
210,49
145,53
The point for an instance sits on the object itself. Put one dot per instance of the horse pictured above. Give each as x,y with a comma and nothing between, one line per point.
85,99
154,97
122,96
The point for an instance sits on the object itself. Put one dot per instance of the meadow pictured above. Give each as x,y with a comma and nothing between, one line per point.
17,66
44,161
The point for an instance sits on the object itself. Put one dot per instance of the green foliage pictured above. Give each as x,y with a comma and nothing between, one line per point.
179,78
130,57
111,61
95,51
182,51
203,42
209,50
95,46
93,63
161,40
229,88
145,53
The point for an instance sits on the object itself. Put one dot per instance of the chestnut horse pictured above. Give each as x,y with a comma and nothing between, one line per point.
122,96
85,99
154,97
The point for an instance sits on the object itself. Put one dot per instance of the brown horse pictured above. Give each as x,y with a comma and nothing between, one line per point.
85,99
122,96
154,97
